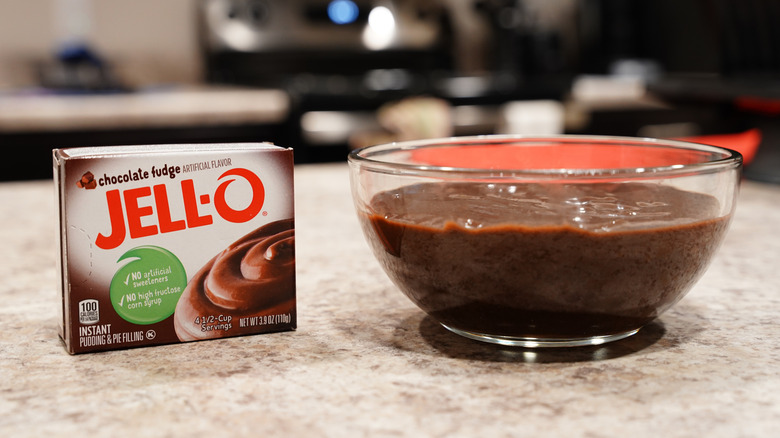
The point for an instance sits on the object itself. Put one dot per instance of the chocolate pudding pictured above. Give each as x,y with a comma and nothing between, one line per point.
550,261
252,279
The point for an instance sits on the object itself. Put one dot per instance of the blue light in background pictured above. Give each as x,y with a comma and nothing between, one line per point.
343,11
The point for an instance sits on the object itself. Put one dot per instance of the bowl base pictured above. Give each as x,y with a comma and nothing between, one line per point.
530,342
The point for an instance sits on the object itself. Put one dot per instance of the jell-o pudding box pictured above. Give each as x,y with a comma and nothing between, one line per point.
163,244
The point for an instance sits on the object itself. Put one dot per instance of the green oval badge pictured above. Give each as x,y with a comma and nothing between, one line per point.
146,289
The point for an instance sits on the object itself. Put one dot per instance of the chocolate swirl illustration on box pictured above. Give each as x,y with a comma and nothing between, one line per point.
250,283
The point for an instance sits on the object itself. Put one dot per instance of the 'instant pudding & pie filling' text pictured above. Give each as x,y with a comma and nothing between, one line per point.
173,243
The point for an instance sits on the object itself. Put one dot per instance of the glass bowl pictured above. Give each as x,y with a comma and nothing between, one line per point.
544,242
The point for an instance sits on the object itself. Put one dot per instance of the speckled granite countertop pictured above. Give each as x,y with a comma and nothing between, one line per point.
365,362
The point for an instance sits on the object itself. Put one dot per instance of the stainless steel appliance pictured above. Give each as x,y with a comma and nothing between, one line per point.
329,55
270,42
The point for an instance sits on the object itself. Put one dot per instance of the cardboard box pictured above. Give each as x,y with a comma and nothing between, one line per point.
173,243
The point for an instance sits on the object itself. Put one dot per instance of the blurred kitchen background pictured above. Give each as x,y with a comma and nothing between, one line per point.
325,76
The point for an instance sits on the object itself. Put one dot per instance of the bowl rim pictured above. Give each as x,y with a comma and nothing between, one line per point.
731,159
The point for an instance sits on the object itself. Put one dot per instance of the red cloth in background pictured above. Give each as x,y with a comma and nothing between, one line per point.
746,143
578,156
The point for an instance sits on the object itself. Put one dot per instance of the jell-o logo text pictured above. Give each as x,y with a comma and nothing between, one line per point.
151,204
